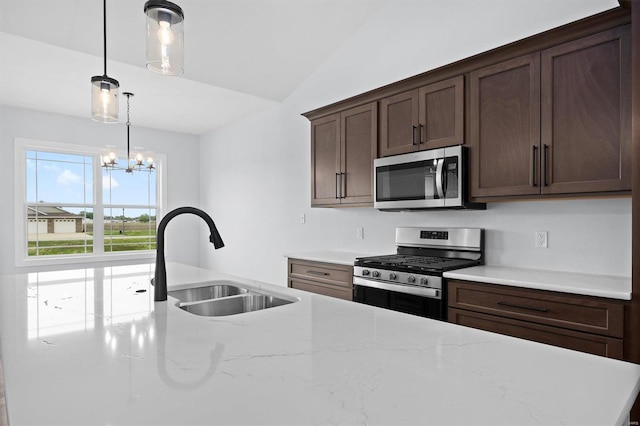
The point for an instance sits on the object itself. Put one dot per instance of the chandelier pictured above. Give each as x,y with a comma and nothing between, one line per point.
136,161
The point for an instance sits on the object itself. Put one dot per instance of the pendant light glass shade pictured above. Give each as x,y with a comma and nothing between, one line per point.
104,99
165,37
104,89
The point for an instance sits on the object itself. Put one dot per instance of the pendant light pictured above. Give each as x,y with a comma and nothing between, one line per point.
165,37
135,162
104,89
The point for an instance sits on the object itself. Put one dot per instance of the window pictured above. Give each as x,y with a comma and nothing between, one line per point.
70,209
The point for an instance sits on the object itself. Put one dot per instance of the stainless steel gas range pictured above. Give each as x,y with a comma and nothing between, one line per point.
411,280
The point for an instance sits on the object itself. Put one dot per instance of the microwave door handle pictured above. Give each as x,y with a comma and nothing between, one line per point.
439,180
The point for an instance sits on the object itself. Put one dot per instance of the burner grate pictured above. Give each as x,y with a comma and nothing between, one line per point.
425,263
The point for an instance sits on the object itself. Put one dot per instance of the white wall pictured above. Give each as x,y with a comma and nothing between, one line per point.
255,174
181,150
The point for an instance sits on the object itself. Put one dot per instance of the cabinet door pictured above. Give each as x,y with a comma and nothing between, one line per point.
571,311
586,114
505,128
321,278
359,136
441,111
399,124
329,273
583,342
325,160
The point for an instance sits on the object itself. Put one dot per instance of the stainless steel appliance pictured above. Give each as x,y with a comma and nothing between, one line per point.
420,180
411,280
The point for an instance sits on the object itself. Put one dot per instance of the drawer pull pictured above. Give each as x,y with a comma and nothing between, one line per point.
530,308
324,274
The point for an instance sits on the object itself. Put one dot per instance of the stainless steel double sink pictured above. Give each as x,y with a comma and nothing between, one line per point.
222,298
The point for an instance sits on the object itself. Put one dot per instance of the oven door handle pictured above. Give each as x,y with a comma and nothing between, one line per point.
439,180
432,293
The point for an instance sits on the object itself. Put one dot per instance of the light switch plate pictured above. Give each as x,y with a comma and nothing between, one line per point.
360,233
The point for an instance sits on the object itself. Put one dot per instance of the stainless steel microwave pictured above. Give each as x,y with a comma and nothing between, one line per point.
434,178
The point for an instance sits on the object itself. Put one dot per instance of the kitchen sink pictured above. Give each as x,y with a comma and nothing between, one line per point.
215,291
235,305
221,298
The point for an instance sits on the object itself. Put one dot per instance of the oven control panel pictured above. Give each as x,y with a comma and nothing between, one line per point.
434,235
400,278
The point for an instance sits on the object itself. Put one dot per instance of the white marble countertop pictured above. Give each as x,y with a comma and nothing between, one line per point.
328,256
85,347
566,282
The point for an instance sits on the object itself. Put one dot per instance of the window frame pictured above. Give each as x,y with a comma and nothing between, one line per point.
22,258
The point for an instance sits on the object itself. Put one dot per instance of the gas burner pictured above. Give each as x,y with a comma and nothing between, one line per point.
412,262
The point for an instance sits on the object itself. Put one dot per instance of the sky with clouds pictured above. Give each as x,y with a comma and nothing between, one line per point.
65,178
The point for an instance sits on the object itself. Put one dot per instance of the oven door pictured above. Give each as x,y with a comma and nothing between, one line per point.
384,295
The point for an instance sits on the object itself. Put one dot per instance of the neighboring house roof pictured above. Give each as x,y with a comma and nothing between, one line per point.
50,212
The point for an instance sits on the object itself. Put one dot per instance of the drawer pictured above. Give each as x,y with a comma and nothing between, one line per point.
583,342
574,312
321,288
339,275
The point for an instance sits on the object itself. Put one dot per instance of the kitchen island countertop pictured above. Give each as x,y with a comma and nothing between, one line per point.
90,346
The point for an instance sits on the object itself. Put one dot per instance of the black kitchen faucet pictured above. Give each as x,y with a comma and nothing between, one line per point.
160,280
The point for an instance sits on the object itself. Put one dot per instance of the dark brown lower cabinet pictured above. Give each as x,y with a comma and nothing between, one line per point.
328,279
3,403
583,323
583,342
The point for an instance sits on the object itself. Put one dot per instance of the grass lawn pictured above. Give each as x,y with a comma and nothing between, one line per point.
113,243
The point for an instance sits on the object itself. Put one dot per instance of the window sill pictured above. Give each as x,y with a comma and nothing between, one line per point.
45,262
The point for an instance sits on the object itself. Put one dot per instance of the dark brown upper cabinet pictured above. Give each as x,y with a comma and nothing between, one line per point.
586,114
554,122
429,117
505,128
343,147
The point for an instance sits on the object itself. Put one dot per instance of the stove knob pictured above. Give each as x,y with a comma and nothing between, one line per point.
392,276
411,279
365,272
375,274
423,281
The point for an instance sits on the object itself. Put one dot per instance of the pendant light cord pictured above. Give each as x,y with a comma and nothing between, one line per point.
104,32
128,125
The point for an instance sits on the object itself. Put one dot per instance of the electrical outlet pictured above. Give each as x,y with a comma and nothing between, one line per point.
541,239
303,218
360,233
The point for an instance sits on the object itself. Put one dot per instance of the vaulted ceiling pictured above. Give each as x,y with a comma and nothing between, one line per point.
241,56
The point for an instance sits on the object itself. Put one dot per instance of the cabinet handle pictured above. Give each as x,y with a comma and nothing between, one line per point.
420,134
533,166
343,185
530,308
324,274
544,163
413,142
337,186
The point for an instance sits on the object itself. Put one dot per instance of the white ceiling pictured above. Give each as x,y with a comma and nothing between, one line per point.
241,56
